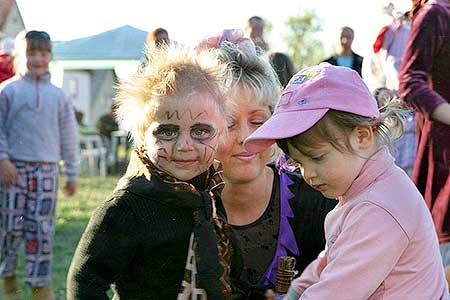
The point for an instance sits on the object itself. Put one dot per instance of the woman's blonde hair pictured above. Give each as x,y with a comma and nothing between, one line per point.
335,128
172,72
250,74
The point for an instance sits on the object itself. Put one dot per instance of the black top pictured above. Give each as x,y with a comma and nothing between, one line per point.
357,62
259,239
138,240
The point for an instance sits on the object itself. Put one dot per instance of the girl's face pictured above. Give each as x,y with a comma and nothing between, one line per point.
37,61
183,137
238,164
327,169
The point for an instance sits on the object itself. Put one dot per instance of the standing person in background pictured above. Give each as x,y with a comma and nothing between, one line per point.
107,123
272,208
158,37
345,56
390,46
6,59
254,30
425,85
283,66
37,129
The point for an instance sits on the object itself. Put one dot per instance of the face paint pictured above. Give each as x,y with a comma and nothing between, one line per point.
182,140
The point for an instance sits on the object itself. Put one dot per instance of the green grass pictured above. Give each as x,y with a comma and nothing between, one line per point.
73,214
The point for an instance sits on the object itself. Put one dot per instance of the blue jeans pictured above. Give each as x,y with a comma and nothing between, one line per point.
445,253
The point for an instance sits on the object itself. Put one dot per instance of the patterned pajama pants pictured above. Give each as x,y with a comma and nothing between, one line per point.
27,212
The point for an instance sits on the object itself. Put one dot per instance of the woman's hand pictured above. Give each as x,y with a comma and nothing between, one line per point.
9,175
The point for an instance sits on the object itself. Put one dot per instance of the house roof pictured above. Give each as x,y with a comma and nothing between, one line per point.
5,8
123,43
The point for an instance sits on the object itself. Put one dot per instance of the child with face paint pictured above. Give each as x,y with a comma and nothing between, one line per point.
160,234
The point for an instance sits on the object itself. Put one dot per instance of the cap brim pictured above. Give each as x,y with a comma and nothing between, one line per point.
280,126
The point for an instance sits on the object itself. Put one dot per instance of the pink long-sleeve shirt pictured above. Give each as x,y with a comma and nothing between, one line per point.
380,243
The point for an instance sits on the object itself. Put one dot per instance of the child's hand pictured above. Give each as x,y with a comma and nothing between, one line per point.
70,188
9,175
269,294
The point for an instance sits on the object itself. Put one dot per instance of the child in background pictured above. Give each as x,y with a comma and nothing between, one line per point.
380,239
160,235
37,129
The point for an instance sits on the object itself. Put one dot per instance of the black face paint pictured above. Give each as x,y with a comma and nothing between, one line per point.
205,133
179,116
202,132
166,132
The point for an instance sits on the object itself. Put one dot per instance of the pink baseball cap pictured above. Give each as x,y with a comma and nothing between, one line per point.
307,98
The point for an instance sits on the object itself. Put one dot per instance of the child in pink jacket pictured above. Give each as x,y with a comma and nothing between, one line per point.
380,238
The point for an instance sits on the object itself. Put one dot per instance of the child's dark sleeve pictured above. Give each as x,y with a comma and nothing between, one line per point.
104,251
69,139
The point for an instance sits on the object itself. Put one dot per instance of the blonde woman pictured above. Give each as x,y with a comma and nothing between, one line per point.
274,212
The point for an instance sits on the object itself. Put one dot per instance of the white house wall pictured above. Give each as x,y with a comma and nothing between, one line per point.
89,84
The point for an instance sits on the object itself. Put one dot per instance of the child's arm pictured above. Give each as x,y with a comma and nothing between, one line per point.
4,103
70,145
310,276
104,251
359,260
8,172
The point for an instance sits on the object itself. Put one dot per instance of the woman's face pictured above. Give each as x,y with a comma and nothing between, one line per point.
182,140
238,164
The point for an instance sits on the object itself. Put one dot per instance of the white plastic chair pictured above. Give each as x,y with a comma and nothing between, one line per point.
93,151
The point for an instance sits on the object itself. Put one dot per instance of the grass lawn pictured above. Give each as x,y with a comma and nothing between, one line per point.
73,214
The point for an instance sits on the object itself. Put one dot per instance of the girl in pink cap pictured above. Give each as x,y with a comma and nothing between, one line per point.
380,238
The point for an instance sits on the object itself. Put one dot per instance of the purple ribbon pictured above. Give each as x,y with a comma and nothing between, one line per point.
286,238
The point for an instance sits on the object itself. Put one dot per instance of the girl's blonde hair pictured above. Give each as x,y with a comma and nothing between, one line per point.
172,72
336,126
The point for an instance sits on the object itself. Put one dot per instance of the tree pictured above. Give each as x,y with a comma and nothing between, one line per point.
303,47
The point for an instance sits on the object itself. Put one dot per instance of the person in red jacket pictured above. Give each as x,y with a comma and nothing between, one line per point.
6,59
425,85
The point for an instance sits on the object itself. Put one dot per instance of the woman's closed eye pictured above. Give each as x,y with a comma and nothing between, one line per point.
258,122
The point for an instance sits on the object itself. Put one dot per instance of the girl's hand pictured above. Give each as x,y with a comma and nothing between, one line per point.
9,175
270,294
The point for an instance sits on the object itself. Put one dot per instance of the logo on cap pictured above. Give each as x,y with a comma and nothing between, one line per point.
302,101
300,78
